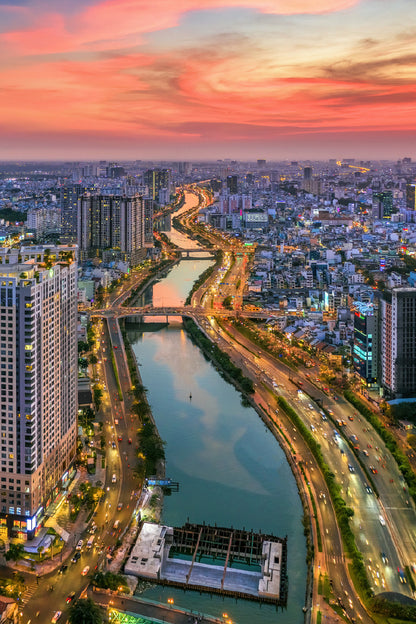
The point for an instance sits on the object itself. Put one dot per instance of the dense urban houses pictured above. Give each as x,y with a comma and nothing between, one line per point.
38,381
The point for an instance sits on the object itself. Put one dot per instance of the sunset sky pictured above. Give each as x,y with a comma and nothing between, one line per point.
187,79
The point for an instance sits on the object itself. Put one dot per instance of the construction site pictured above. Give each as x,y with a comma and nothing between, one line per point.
225,561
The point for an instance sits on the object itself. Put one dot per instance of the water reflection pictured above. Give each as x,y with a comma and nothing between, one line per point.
231,470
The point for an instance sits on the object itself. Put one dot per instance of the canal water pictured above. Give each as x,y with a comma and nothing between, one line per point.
231,470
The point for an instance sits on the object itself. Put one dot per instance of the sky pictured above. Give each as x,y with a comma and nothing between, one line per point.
207,79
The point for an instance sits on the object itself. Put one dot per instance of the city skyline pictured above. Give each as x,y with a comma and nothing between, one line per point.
207,79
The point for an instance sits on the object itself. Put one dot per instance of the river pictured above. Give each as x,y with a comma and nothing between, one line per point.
231,469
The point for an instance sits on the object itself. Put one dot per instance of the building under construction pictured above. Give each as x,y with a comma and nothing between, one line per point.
226,561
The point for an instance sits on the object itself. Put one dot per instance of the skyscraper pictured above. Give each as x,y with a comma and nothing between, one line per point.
148,222
38,381
307,173
232,184
365,342
69,196
411,196
398,341
113,224
157,179
383,205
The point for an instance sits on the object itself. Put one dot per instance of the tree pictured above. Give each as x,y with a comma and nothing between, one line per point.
15,552
228,303
85,612
411,440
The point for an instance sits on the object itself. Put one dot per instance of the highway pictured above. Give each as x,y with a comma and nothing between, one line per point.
396,539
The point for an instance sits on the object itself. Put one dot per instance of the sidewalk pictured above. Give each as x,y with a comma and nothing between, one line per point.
75,529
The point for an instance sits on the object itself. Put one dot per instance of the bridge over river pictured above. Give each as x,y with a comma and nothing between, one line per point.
191,311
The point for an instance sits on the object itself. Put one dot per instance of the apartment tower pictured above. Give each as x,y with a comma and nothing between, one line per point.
397,311
38,381
112,226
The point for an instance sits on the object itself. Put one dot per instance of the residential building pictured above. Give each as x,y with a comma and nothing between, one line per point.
38,381
157,179
69,196
398,341
112,226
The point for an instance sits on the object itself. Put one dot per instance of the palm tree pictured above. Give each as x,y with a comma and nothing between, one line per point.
85,612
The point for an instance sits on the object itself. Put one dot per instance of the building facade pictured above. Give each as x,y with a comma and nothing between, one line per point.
38,381
382,205
397,311
113,225
365,352
68,199
156,180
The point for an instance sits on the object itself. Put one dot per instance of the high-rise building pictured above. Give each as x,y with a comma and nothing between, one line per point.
365,342
383,205
232,184
38,381
113,224
411,196
307,173
397,309
69,196
157,179
148,222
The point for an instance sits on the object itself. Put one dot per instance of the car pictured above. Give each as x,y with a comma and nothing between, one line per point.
402,576
350,417
120,438
63,569
76,557
119,506
129,440
114,478
116,421
368,489
79,545
373,470
70,597
351,468
113,444
56,617
365,452
85,571
384,558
